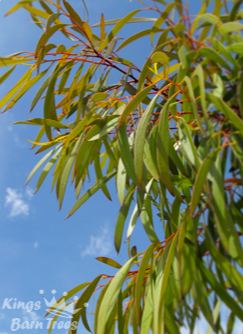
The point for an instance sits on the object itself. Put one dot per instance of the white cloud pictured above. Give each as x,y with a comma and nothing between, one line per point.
29,192
15,203
99,245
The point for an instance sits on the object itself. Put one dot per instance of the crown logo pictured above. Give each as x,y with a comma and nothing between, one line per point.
61,307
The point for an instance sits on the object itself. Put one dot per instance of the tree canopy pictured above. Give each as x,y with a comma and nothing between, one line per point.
168,134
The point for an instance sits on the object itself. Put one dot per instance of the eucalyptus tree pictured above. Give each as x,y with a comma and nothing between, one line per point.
168,134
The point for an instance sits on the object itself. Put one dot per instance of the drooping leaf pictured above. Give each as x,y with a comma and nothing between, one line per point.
109,299
140,141
121,219
90,192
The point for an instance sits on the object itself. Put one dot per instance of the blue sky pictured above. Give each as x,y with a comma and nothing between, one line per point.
40,250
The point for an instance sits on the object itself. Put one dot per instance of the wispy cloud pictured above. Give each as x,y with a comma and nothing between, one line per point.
15,203
29,192
100,244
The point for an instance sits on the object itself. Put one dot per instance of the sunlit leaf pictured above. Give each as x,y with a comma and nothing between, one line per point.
111,295
109,262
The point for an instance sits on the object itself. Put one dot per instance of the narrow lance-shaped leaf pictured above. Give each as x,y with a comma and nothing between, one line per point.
81,303
110,297
15,60
121,219
126,153
117,27
4,76
162,286
90,192
109,262
140,141
201,179
16,87
229,113
38,165
121,180
133,104
147,258
162,153
23,90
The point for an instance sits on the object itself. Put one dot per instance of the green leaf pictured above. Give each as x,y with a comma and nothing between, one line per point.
73,14
50,105
121,219
160,57
30,8
109,299
23,90
206,18
211,54
106,129
39,93
230,27
193,103
237,48
163,143
102,27
47,168
109,262
133,104
38,165
4,76
117,27
99,175
16,87
163,281
40,121
65,173
132,221
44,39
132,20
141,279
137,36
146,213
222,217
148,310
224,265
121,180
186,141
125,152
90,192
199,72
80,304
228,112
140,141
221,292
149,159
201,180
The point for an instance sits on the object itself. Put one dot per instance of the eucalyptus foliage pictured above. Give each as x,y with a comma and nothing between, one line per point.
168,134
